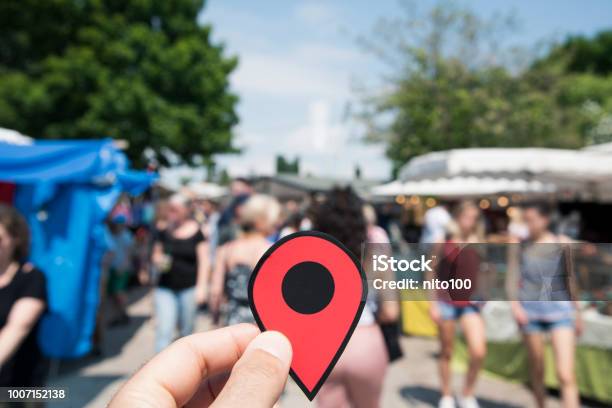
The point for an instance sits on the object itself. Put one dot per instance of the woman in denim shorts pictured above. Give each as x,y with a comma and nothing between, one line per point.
546,304
456,258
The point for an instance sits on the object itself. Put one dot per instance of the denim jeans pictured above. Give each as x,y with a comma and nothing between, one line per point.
173,308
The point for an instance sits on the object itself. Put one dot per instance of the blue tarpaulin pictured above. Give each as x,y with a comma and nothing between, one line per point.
66,189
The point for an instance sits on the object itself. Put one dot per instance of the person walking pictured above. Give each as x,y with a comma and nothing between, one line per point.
358,377
435,223
546,303
456,257
181,260
121,254
236,260
227,228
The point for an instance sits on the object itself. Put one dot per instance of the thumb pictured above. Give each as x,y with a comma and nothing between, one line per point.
258,378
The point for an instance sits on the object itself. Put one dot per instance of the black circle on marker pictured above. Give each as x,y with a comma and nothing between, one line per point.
308,287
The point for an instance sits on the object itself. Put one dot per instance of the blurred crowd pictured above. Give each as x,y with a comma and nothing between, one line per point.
199,254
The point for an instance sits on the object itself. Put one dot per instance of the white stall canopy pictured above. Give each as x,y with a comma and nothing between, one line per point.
603,148
463,187
580,174
531,163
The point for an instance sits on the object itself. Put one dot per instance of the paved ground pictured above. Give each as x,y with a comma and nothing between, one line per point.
411,382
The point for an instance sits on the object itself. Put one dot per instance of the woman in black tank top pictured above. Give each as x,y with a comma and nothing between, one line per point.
23,299
180,259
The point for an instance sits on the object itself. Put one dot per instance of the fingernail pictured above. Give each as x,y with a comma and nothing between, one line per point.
274,343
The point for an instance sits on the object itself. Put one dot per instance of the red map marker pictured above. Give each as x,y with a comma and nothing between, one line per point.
309,287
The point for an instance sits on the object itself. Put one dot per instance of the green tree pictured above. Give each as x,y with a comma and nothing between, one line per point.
453,86
140,70
580,54
585,87
224,178
286,166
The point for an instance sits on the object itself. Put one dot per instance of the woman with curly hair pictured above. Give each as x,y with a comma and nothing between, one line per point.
357,379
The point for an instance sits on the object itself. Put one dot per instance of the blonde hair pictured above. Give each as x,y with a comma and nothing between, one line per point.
257,209
478,232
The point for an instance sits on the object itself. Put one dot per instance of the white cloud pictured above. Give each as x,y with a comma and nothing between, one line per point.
338,164
319,124
325,147
329,54
310,70
294,79
282,76
320,135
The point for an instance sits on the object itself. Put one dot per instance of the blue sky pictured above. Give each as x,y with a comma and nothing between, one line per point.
299,62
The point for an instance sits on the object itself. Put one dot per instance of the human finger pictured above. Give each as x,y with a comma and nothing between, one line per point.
259,376
173,376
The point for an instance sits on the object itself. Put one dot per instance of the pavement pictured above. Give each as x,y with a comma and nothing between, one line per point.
411,381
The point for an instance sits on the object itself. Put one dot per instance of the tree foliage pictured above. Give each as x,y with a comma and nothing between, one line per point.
580,54
585,87
287,166
140,70
454,85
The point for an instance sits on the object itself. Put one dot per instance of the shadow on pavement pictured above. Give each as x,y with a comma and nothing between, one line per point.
115,340
136,293
585,402
89,387
414,394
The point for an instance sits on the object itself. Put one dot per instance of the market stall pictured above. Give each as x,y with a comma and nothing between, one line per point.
65,189
463,186
500,178
584,174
